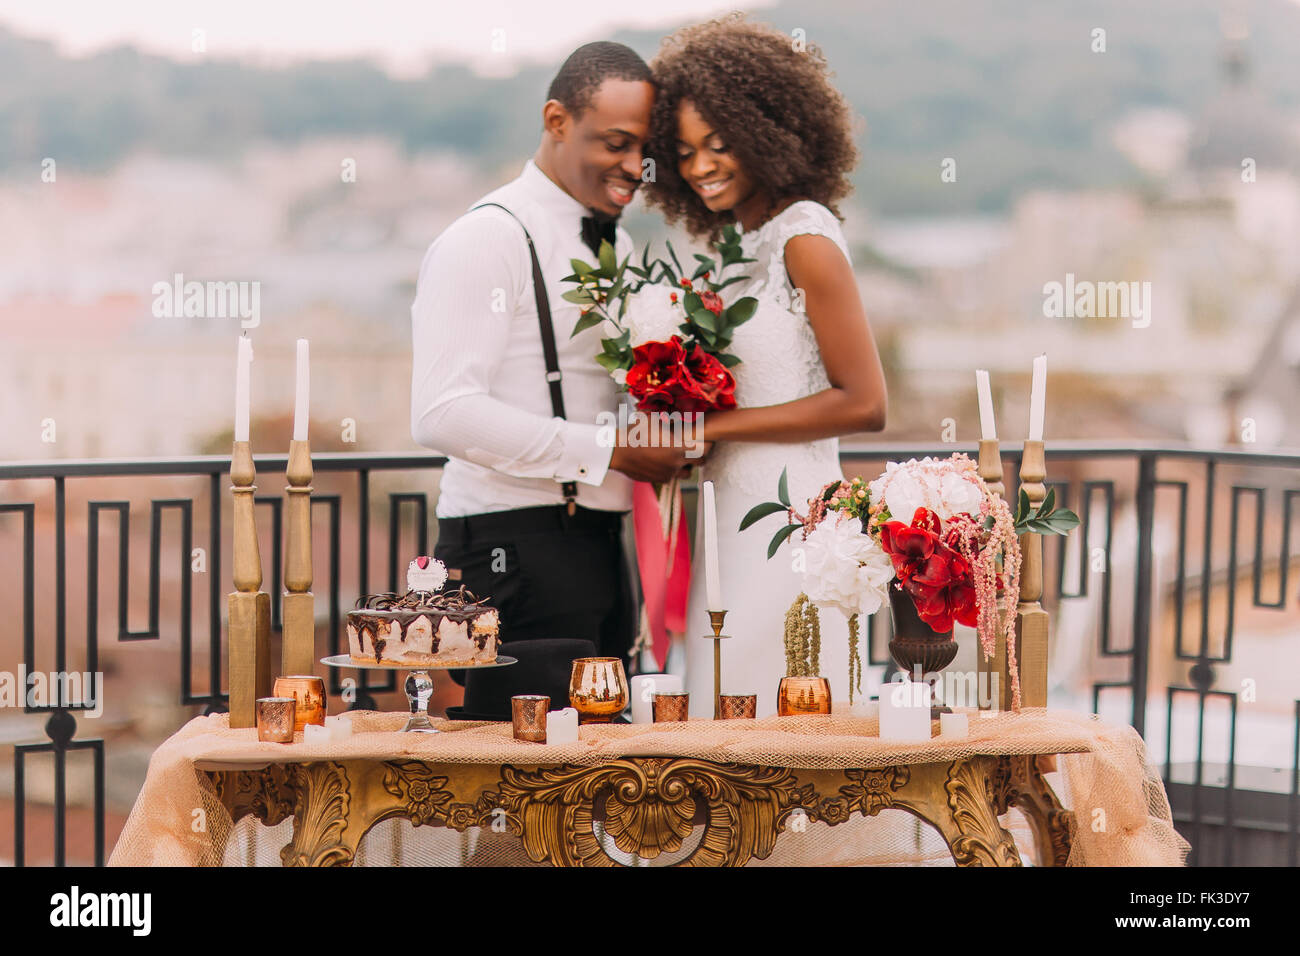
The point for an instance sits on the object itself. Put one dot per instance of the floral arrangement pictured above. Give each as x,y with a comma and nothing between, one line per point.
931,529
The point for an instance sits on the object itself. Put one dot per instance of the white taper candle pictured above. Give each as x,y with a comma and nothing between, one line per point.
988,429
712,577
243,367
301,397
1038,399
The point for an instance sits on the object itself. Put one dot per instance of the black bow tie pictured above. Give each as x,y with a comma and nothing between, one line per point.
596,228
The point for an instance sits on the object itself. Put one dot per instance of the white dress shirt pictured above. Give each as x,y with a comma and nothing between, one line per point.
478,381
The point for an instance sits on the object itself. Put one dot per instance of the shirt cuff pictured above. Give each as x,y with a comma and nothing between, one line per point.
586,454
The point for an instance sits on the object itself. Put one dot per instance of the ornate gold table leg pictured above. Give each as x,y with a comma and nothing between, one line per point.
958,798
1053,825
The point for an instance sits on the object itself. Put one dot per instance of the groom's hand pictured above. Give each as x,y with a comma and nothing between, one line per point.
651,463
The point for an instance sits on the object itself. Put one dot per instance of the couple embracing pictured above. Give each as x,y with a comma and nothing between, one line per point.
745,129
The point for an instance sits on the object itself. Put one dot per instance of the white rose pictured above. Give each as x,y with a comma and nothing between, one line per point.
652,316
845,568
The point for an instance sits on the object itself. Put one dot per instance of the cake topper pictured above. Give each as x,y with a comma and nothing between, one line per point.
425,574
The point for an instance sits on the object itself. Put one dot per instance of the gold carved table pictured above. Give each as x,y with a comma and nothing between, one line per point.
647,805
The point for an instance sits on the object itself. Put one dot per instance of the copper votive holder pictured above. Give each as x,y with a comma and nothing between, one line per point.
598,689
803,695
528,713
275,718
309,692
670,707
738,706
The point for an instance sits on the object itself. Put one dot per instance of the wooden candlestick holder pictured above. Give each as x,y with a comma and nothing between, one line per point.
298,646
1032,624
248,644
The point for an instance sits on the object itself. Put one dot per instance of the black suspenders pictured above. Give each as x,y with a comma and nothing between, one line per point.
568,488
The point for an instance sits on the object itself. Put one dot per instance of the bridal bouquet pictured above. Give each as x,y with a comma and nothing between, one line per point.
932,530
670,331
667,341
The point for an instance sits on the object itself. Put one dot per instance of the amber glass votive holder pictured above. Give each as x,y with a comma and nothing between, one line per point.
598,689
803,695
670,707
738,706
309,691
275,717
528,714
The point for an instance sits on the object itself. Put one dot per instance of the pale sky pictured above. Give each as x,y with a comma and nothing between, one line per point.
404,35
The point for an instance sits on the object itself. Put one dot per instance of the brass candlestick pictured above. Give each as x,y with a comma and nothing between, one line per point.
297,652
715,621
249,640
1031,618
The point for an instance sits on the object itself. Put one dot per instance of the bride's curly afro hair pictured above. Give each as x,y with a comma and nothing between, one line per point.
773,105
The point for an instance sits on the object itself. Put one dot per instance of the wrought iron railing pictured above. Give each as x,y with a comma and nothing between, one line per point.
1145,493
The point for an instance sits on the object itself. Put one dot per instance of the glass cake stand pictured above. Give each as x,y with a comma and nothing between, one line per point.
419,685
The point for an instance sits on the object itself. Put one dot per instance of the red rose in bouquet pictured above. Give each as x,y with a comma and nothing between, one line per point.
666,377
934,574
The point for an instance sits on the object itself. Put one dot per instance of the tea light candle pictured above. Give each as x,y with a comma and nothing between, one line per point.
644,688
562,726
954,725
905,711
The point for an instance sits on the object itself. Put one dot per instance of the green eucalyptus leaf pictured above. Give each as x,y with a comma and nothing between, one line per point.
783,487
779,538
741,310
759,512
1049,503
590,320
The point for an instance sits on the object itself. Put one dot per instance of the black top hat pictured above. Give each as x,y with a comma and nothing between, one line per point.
545,667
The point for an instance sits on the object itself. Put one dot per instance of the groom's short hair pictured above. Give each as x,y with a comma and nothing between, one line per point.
590,65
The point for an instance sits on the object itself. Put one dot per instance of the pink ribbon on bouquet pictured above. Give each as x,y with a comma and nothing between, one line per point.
664,588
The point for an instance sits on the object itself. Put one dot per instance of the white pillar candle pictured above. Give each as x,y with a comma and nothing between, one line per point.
303,387
317,734
643,689
562,726
954,725
988,429
243,366
1038,399
712,576
340,727
905,711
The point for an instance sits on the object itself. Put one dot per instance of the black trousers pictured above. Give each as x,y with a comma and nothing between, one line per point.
549,574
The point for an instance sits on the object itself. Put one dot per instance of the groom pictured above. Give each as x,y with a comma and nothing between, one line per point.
530,509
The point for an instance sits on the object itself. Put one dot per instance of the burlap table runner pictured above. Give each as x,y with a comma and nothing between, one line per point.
1120,803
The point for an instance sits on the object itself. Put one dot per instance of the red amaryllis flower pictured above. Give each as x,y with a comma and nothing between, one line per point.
652,379
937,577
711,301
708,382
664,377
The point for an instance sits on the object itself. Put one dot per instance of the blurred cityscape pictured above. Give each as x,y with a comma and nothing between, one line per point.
1194,207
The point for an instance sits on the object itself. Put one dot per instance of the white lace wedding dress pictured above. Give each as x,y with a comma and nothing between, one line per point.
780,362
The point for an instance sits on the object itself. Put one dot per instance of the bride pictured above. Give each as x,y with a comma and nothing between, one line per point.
747,129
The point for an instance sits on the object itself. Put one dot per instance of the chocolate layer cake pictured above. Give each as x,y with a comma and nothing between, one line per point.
423,626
